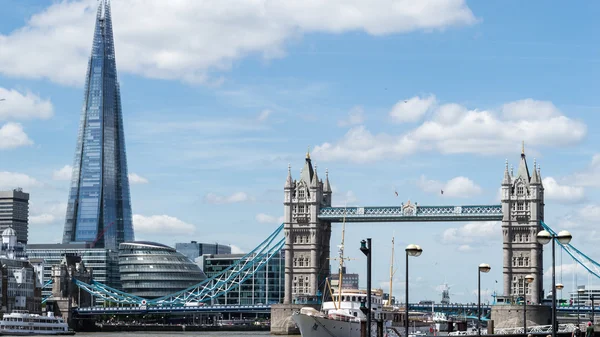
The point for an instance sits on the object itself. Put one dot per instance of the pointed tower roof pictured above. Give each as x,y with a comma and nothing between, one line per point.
535,178
315,179
288,181
326,186
523,170
506,180
307,170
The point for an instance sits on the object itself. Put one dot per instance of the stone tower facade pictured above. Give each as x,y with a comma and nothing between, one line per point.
522,209
306,246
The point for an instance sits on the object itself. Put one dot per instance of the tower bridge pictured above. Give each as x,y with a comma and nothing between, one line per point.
304,238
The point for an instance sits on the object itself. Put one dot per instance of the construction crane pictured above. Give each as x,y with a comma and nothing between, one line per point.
101,234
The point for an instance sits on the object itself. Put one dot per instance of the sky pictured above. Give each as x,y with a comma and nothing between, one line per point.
415,97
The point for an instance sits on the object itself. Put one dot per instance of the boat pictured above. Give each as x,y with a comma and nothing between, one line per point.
22,323
341,316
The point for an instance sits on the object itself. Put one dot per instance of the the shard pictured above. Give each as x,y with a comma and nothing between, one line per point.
99,206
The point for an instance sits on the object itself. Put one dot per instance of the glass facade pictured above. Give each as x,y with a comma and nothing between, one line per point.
266,286
193,249
99,207
152,270
104,263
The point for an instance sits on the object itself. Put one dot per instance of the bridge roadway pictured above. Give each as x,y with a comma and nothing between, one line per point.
447,308
173,309
411,213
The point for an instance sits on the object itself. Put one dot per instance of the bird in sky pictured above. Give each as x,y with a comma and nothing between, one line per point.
442,191
2,99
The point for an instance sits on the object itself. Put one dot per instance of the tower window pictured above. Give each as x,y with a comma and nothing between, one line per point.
520,190
301,194
519,206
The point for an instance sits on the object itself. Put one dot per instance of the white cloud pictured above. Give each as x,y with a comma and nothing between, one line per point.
567,269
47,213
355,116
413,109
461,187
236,250
453,128
269,219
187,39
161,224
19,106
464,248
590,176
63,174
563,193
10,180
213,198
263,115
136,179
472,233
12,136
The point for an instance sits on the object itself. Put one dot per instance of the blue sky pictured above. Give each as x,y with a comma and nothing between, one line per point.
218,98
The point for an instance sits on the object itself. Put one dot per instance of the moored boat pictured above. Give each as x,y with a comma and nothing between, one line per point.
22,323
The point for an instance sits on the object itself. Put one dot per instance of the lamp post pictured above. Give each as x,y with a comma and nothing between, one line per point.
483,268
579,292
411,250
365,248
564,238
526,280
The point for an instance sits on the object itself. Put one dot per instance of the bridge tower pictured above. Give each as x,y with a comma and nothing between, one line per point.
522,209
307,238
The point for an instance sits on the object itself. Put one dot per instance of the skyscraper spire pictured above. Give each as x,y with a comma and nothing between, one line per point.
99,206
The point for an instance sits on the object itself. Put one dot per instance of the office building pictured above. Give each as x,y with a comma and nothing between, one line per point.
14,212
99,207
195,249
349,280
583,296
264,287
151,270
104,262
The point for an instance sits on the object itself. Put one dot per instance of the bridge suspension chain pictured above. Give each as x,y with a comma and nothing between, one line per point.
213,287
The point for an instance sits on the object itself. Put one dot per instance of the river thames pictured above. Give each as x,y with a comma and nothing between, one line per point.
172,334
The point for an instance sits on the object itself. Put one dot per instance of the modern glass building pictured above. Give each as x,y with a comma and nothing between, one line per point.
104,262
99,207
264,287
151,270
194,249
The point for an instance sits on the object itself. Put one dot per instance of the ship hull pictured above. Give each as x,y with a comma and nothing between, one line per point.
313,326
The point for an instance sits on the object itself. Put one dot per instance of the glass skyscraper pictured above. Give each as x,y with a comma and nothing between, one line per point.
99,207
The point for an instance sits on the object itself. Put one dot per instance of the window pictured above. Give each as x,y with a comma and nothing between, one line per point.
301,193
519,206
520,190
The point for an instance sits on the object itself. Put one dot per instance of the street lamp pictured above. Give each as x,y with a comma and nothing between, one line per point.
527,279
564,238
483,268
579,292
411,250
365,248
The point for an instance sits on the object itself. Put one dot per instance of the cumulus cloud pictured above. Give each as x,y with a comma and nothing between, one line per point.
563,193
136,179
461,187
213,198
10,180
453,128
269,219
63,174
236,250
472,233
412,110
355,116
161,224
13,136
22,106
187,39
47,213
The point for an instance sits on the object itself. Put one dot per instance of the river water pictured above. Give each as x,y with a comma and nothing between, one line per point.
173,334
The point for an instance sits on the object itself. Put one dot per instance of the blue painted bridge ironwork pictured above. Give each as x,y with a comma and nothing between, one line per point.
172,309
412,213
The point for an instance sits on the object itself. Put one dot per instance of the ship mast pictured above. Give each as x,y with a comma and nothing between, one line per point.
389,303
341,260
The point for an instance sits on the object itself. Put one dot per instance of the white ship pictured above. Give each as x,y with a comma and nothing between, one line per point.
340,317
22,323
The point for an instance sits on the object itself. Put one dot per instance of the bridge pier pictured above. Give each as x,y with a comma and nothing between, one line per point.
65,294
511,316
